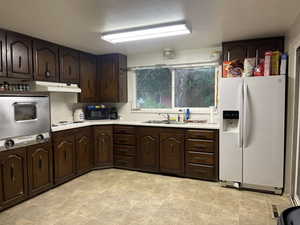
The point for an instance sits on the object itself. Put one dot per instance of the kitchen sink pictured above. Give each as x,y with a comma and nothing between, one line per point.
163,122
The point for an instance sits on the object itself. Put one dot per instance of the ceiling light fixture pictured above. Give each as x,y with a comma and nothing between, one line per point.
147,32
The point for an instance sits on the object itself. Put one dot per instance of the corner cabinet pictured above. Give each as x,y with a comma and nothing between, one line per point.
64,156
83,150
88,80
46,61
69,65
112,78
172,151
3,72
14,177
103,140
19,56
40,170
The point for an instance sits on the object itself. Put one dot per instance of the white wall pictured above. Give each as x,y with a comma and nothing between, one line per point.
292,43
62,106
148,59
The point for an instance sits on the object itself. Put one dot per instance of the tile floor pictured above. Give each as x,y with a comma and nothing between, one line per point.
120,197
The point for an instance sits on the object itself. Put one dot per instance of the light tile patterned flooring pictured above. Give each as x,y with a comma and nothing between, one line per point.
120,197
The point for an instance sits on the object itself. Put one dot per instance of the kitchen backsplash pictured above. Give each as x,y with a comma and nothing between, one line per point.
62,105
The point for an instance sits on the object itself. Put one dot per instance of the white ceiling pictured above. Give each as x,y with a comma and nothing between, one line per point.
77,23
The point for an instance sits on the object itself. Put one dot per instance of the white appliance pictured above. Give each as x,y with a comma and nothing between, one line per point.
54,87
252,111
78,115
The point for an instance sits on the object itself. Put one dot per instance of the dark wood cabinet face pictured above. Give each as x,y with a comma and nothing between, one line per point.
19,56
112,78
172,153
232,52
103,146
69,65
148,149
3,72
83,151
88,79
108,79
40,168
64,156
45,58
14,172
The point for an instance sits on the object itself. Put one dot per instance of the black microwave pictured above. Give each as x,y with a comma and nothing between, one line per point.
95,112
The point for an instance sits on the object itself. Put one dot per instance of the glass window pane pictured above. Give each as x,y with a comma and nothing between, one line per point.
154,88
25,112
195,87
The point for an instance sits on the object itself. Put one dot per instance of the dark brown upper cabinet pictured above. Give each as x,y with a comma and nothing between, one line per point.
19,55
251,48
88,80
69,65
112,78
3,71
45,58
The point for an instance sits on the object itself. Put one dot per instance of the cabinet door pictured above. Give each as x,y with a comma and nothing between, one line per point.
232,51
14,172
69,65
39,168
123,90
45,57
108,80
3,72
103,146
83,150
88,82
172,153
148,149
64,158
19,55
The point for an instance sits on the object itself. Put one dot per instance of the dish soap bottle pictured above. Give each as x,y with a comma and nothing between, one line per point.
187,114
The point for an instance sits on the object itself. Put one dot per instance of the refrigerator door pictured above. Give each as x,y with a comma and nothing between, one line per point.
263,136
231,158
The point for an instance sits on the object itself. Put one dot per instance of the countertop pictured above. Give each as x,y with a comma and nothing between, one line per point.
87,123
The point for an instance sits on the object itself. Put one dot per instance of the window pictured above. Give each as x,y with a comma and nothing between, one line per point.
174,88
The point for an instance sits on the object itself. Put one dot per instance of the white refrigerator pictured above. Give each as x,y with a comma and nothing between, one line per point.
252,129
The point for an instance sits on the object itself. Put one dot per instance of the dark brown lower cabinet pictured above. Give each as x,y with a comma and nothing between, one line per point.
103,140
84,150
172,151
64,156
14,177
148,149
40,169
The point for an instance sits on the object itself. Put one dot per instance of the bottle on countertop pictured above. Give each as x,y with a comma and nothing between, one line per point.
187,114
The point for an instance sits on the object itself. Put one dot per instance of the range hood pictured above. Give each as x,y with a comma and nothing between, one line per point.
55,87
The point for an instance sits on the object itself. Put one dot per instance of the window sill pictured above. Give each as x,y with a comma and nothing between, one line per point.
172,111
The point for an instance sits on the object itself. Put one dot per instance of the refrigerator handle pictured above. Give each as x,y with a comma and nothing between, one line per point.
241,100
245,117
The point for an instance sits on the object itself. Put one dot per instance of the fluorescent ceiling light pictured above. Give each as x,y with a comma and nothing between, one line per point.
148,32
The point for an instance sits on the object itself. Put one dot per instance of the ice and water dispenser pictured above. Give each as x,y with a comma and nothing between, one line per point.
230,121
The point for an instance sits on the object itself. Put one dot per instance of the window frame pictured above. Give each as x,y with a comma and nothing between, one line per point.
197,110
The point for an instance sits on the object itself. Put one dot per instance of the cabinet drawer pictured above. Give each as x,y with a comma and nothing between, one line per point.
199,157
124,161
200,134
124,139
124,130
124,150
200,171
199,145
